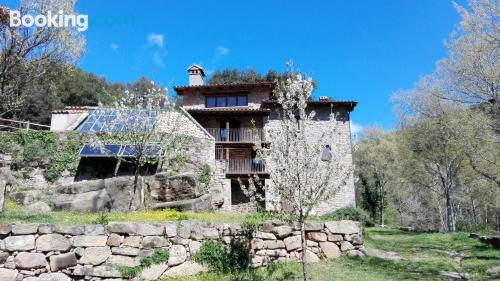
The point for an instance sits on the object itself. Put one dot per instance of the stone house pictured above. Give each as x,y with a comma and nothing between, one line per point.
226,121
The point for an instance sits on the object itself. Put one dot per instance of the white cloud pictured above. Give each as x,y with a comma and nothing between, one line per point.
221,51
155,40
114,46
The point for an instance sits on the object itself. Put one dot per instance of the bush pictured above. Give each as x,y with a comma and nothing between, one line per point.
223,258
349,213
157,257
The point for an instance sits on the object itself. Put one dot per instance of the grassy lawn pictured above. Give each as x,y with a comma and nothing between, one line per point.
424,255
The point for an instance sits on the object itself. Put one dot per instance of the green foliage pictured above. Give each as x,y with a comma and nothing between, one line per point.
205,175
65,157
102,219
233,76
223,258
158,256
349,213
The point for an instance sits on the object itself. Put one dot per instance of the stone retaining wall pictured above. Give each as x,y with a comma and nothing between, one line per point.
93,252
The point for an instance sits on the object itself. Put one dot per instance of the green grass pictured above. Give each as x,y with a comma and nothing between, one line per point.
424,255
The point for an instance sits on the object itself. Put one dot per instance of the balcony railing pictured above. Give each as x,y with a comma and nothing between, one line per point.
237,135
244,166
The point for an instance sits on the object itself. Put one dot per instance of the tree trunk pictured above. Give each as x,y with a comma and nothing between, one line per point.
303,240
136,180
382,205
449,212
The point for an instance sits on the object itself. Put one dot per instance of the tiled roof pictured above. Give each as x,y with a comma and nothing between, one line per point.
180,89
74,109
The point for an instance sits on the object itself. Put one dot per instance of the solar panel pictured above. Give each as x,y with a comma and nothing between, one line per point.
119,120
125,150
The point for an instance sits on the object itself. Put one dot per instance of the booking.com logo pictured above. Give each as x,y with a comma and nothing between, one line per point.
81,22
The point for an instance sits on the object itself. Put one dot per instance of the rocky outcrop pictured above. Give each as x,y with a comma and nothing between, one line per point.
94,252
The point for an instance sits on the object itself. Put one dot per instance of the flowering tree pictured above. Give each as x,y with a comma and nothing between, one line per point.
303,169
146,125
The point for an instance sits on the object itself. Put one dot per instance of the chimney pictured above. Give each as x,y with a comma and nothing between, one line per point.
196,75
324,98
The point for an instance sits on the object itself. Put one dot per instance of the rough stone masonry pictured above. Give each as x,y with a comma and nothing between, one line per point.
93,252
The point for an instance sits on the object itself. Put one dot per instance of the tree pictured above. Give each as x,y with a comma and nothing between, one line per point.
146,123
374,161
232,76
299,177
25,52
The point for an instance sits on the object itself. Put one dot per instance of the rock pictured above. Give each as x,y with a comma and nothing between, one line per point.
170,229
154,272
57,276
20,243
342,227
194,246
202,203
94,229
256,261
357,239
346,246
69,229
355,254
264,236
58,262
392,256
274,244
114,240
3,257
154,242
132,241
334,237
125,251
38,208
210,233
454,275
8,274
122,227
188,268
292,243
5,229
26,260
52,242
282,231
103,271
123,261
311,257
493,272
31,228
150,229
313,226
88,201
256,244
177,255
45,228
89,240
316,236
168,188
95,255
331,250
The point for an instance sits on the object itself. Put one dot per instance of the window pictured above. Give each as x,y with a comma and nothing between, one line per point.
242,101
222,101
232,101
210,102
326,154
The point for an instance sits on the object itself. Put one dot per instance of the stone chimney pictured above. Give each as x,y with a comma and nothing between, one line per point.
196,75
324,98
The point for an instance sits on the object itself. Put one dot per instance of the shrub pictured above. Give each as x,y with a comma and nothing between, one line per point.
349,213
218,257
204,175
157,257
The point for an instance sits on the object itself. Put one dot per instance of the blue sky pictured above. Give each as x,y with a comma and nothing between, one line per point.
356,50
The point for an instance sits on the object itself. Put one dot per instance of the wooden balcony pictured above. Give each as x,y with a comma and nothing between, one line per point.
239,135
244,166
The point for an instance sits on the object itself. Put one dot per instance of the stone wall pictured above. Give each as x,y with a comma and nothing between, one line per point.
93,252
341,149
